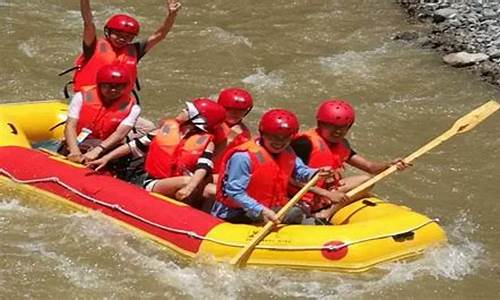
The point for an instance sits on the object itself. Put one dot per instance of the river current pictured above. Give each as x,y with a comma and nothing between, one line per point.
289,54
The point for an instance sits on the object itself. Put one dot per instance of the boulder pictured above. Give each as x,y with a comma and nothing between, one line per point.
463,59
441,15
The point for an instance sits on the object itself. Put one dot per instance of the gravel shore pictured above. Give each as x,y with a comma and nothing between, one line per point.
466,32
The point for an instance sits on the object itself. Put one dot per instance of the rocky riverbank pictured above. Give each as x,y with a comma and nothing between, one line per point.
466,32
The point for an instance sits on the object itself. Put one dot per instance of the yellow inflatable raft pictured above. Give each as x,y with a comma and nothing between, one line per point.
363,234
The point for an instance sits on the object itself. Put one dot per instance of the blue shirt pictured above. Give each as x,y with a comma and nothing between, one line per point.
235,183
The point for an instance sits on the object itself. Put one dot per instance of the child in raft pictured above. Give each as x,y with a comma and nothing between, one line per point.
179,154
100,116
256,173
326,145
233,132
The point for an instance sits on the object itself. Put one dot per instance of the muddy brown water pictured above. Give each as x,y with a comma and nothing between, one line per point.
290,54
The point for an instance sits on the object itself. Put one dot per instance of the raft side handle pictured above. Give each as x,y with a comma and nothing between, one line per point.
368,203
405,236
13,128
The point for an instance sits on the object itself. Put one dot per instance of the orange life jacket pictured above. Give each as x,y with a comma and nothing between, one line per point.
268,178
322,155
102,120
223,140
170,154
104,54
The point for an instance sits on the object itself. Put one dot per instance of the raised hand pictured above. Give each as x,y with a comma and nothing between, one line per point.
173,6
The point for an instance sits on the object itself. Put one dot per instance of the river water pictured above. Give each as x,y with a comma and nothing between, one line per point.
290,54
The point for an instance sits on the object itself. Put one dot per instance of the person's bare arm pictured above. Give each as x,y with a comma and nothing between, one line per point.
115,138
375,167
89,31
100,163
70,137
172,7
195,180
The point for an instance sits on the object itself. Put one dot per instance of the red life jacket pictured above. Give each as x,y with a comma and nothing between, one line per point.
102,120
224,140
322,155
171,155
104,54
268,178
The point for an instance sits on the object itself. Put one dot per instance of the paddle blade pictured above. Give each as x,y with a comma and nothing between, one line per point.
475,117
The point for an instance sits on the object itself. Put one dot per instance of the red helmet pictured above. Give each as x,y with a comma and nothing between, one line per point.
336,112
113,73
212,114
279,121
123,23
235,98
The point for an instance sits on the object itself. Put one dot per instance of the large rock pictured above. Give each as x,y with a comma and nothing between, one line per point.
463,59
441,15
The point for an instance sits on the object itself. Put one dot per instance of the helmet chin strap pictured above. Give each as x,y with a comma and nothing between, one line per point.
106,32
191,120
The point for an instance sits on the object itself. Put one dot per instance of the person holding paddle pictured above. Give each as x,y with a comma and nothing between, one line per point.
256,174
326,145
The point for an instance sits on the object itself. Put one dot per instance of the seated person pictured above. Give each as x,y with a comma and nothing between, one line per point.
100,116
178,155
233,131
326,145
256,174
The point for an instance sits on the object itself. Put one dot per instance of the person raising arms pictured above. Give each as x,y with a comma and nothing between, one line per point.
256,174
100,116
178,155
326,145
117,44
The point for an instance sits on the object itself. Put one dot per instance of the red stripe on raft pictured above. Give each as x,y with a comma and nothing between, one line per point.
26,164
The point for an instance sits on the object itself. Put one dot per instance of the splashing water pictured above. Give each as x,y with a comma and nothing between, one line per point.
94,236
262,81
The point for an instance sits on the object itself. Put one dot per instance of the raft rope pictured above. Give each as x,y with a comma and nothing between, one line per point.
193,234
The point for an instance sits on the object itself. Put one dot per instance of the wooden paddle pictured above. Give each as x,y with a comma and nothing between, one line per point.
242,256
462,125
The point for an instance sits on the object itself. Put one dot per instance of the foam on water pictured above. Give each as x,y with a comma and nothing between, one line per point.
132,259
77,274
359,64
451,262
262,81
223,36
12,205
29,48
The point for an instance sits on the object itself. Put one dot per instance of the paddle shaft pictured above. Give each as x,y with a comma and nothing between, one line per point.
435,142
463,124
244,253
